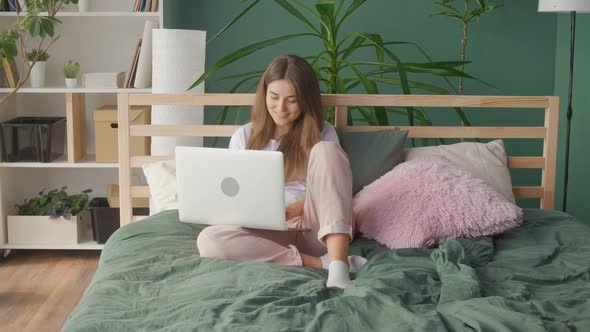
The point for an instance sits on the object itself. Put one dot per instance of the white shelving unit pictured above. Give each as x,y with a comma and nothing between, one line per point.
93,14
63,89
101,40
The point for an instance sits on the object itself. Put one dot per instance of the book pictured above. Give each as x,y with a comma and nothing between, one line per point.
11,72
147,6
134,71
143,75
12,5
3,78
22,5
103,80
155,5
133,64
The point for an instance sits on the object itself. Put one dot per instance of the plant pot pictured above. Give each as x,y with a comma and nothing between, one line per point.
83,5
71,82
38,74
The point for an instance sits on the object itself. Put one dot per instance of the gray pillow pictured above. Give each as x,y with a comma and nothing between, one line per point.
372,154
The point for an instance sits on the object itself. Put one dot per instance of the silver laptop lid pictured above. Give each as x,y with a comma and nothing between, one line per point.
231,187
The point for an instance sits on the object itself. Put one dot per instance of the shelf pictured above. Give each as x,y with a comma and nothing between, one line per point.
63,89
82,246
91,14
89,161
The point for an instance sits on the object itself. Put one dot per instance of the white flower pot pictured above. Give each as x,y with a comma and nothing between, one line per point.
83,5
71,82
38,74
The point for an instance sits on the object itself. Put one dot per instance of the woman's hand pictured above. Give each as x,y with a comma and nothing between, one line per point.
295,209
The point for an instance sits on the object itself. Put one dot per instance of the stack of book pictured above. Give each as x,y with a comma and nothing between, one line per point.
12,5
145,6
130,79
8,74
139,74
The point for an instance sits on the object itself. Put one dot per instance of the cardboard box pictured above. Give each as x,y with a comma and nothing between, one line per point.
113,198
44,230
106,133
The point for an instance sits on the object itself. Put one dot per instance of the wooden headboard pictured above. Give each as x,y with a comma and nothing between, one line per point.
546,162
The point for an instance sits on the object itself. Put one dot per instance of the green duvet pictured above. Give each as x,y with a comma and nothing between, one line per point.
533,278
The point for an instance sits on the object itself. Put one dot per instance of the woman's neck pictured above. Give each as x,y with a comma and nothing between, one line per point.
280,132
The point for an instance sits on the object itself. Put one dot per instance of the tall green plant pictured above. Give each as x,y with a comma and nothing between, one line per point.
38,22
470,12
338,66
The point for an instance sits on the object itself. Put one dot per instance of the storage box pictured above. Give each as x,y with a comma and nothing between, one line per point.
29,138
106,133
44,230
113,198
103,80
106,219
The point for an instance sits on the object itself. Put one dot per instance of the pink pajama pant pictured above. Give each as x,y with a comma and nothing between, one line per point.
327,210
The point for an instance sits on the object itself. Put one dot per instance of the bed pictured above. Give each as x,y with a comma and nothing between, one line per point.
534,277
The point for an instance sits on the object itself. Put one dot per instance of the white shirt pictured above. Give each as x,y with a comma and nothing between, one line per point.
294,190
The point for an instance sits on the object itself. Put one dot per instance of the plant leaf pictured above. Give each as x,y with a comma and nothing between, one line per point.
243,52
351,9
370,88
481,3
413,84
232,22
293,11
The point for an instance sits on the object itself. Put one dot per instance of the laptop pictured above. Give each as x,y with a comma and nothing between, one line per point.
231,187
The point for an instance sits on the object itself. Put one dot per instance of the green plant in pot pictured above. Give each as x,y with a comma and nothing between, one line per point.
37,59
465,12
343,65
71,71
55,203
38,23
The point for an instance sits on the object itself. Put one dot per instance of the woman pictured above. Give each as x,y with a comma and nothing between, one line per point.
287,116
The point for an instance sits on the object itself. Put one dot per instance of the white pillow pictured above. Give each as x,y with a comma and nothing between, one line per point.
161,178
486,161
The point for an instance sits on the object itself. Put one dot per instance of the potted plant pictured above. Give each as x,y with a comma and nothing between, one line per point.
37,61
51,217
71,73
38,23
347,61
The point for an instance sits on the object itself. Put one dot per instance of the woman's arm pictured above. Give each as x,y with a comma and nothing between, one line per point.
239,139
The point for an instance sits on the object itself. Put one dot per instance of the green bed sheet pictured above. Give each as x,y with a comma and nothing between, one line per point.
533,278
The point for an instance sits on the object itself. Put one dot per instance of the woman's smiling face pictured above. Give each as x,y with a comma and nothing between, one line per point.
282,104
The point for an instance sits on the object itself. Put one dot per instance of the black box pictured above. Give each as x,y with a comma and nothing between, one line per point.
29,138
106,220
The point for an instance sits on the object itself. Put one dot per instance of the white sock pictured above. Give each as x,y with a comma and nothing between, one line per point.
338,275
354,262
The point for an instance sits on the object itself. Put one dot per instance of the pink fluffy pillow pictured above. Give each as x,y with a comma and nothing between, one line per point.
427,201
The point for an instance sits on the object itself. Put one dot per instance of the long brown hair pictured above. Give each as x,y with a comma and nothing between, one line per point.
305,133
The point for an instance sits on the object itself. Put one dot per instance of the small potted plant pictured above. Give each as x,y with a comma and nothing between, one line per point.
52,217
38,69
71,73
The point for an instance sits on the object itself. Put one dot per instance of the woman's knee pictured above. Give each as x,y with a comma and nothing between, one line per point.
325,150
212,242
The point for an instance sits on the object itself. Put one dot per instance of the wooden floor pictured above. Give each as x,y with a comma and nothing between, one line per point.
39,289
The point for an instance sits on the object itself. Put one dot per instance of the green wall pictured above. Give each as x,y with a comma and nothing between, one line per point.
517,49
579,181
